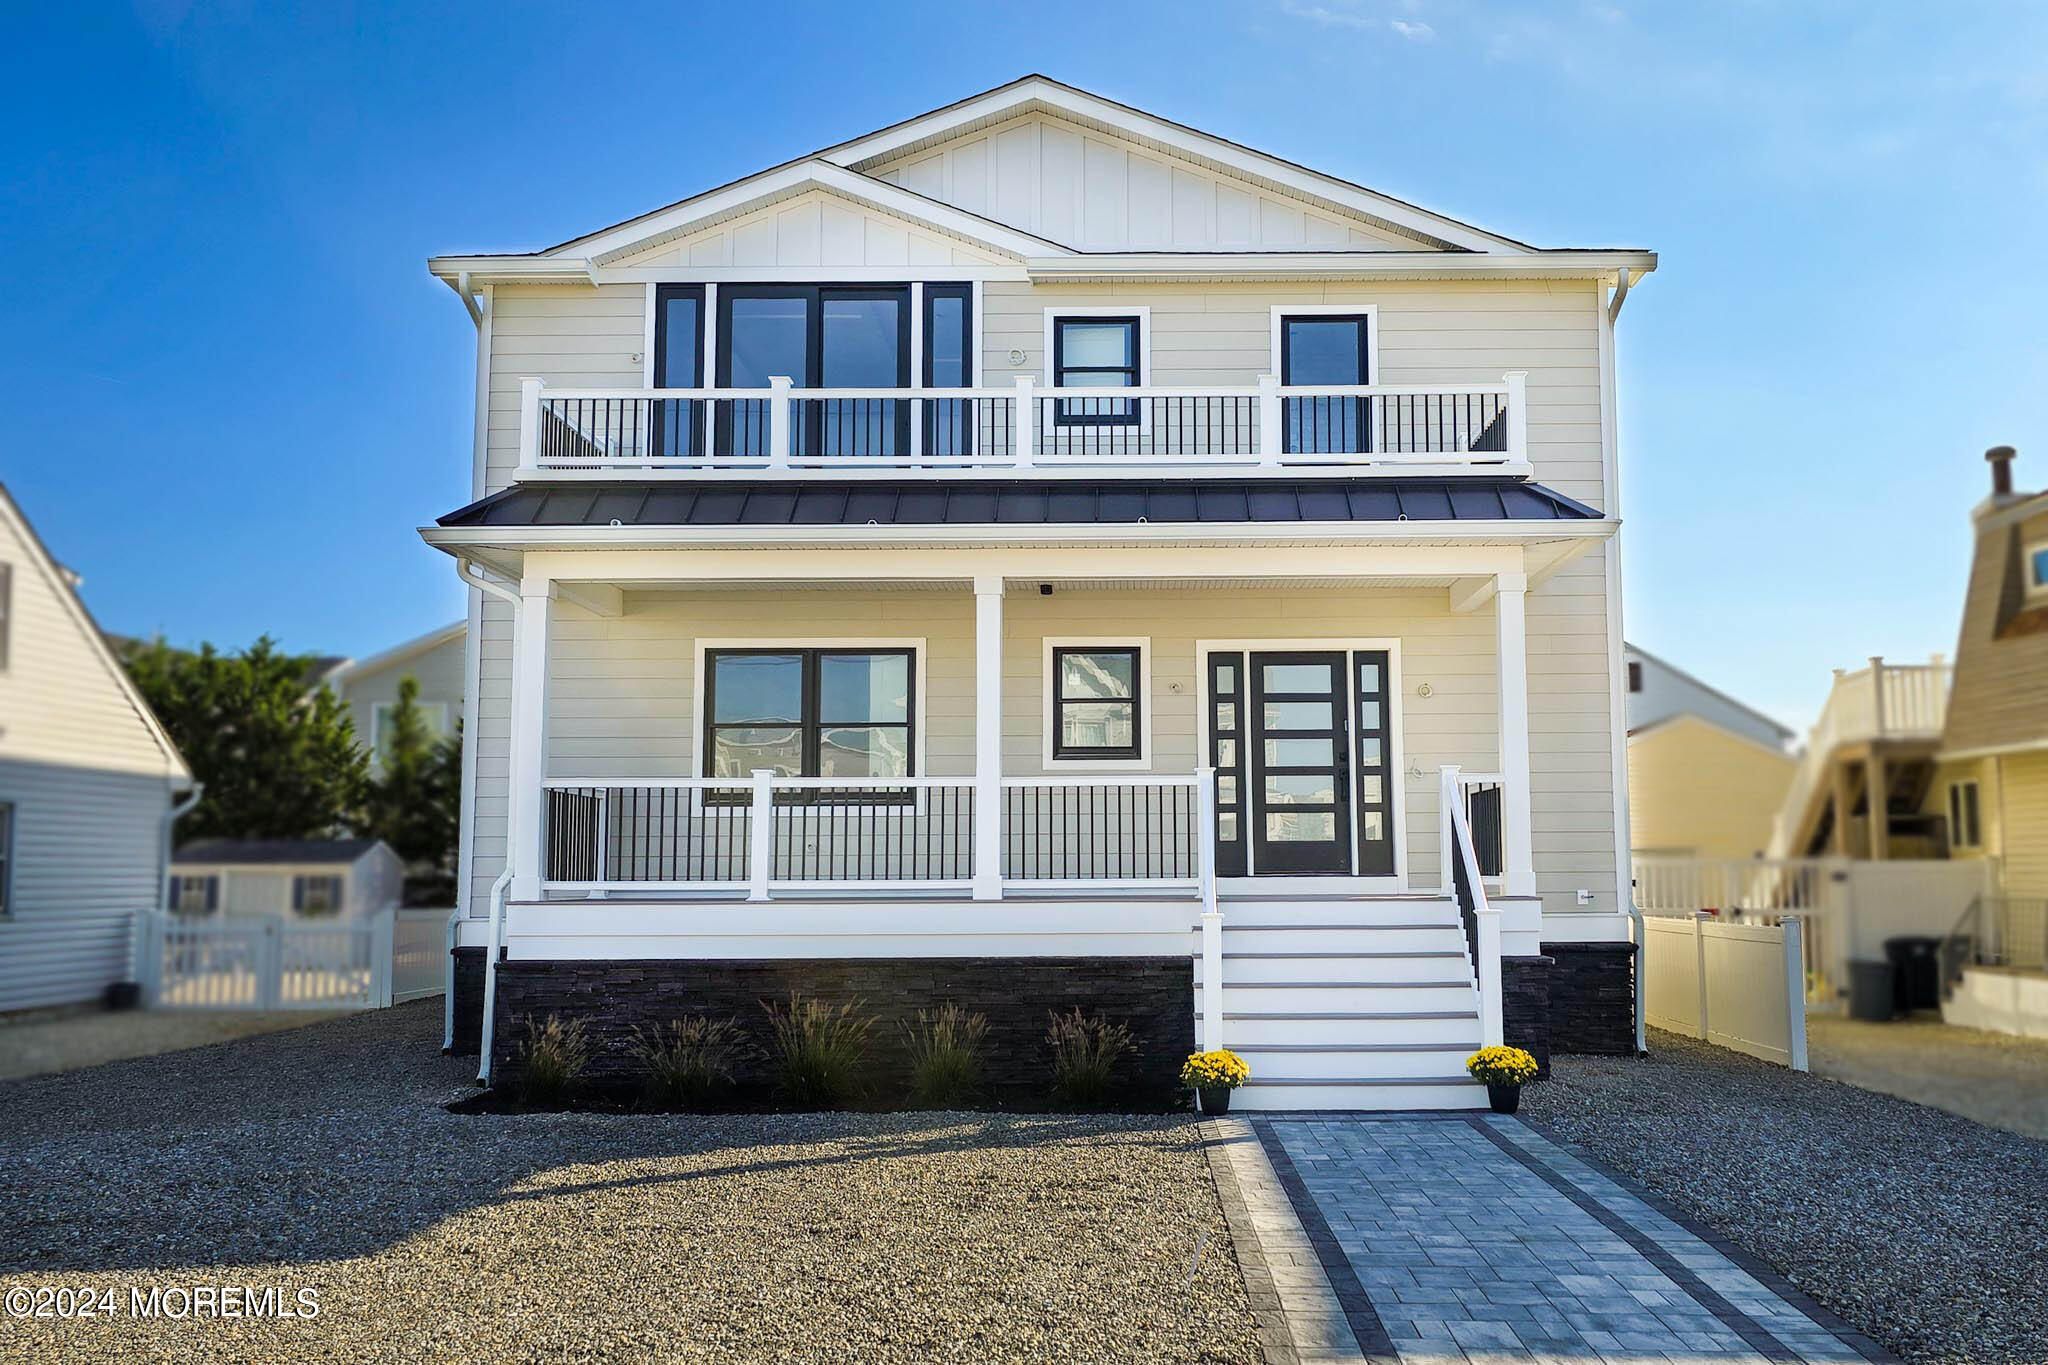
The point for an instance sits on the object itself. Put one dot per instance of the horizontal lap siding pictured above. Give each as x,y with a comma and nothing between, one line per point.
2024,806
86,857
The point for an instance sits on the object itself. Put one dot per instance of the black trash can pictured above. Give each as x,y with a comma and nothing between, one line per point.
1871,991
1916,972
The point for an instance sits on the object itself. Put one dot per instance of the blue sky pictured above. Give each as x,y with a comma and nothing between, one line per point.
233,390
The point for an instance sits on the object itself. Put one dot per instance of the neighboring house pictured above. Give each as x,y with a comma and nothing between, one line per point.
346,878
1991,787
873,557
89,785
1705,772
369,687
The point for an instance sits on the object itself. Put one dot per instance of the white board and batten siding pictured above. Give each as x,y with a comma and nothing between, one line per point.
89,775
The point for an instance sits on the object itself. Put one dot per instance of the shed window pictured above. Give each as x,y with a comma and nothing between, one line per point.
316,895
195,895
1096,702
809,712
1964,819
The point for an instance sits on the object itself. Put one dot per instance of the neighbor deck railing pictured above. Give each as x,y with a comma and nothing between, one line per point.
1021,427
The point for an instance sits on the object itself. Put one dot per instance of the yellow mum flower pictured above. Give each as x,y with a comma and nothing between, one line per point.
1501,1066
1221,1067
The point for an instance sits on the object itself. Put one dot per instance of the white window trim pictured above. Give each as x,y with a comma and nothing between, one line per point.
1049,380
701,760
1370,311
2027,554
1397,760
1955,814
377,709
1047,722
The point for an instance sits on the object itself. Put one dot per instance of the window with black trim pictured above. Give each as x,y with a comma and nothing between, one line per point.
1635,676
1096,701
1095,353
319,895
949,364
847,713
195,895
1965,819
679,364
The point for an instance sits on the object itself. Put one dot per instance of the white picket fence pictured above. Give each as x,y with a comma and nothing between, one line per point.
1741,986
281,962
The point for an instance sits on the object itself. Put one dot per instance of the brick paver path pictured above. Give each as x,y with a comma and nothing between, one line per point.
1472,1237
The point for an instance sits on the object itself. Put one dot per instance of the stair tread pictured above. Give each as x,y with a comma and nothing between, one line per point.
1370,1014
1361,1080
1329,928
1350,1047
1345,985
1340,953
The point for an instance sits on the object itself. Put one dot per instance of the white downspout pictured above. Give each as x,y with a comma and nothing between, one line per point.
494,940
165,843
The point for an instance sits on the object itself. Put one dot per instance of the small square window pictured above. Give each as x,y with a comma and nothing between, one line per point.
1097,706
1095,353
1635,676
2037,569
316,895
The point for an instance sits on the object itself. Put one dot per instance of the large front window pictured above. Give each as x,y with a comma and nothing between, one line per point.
831,713
818,337
1096,702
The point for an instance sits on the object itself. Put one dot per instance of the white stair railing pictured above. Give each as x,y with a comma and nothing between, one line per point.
1481,920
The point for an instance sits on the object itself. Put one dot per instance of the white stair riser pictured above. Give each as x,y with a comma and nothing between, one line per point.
1355,1032
1297,999
1359,1097
1430,1062
1340,940
1255,913
1236,969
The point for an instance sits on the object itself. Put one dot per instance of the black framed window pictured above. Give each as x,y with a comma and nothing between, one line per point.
1635,676
847,713
316,895
195,895
949,364
820,337
1331,350
679,364
1227,754
1095,353
1097,706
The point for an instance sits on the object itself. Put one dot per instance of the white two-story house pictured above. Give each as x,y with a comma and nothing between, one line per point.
1041,555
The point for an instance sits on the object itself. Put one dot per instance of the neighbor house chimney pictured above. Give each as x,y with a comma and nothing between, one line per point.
2001,458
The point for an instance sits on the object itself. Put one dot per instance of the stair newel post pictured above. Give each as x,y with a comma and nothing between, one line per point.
1492,1027
1212,916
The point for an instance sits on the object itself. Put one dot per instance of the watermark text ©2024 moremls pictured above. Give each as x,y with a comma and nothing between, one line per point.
199,1302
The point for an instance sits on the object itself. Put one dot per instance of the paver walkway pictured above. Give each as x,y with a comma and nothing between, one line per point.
1473,1237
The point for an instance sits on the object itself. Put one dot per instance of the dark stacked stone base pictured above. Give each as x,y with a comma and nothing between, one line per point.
469,1002
1153,997
1592,997
1525,1006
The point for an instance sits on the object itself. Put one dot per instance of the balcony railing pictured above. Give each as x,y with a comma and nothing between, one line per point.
1021,428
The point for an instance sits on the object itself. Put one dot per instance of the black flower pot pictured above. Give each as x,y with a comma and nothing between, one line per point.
1215,1098
1505,1098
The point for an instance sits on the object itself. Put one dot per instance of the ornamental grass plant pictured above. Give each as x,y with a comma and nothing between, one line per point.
819,1052
548,1064
1086,1055
945,1056
693,1063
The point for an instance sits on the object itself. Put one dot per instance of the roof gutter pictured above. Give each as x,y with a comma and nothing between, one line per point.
1621,281
460,284
1280,265
470,574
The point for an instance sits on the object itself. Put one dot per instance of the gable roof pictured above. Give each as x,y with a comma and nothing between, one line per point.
351,669
844,168
1785,733
64,584
233,851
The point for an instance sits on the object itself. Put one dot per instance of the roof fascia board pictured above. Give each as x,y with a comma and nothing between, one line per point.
1589,265
81,618
1787,731
1187,141
1682,717
800,175
397,654
458,538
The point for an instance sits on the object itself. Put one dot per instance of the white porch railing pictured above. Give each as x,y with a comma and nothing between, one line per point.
767,835
1021,428
1882,701
1463,877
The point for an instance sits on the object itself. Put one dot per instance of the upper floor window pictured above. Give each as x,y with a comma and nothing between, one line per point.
2037,572
433,715
1096,350
679,364
1635,676
809,712
1965,829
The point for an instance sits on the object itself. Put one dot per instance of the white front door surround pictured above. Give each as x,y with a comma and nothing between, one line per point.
595,581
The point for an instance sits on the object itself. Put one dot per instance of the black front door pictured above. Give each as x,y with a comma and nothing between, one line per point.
1299,763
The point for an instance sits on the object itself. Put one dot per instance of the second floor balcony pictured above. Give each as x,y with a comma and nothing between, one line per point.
1022,427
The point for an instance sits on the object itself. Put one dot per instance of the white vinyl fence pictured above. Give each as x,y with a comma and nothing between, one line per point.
280,962
1736,985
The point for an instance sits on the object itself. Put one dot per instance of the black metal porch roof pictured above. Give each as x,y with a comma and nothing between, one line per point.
989,502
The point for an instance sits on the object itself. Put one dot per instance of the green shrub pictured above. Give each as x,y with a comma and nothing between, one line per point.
1085,1055
691,1064
548,1065
945,1056
818,1051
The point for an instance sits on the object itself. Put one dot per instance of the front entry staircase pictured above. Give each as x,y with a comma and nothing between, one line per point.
1348,1002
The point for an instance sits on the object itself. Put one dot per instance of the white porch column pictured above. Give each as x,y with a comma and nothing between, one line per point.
1519,871
988,737
528,762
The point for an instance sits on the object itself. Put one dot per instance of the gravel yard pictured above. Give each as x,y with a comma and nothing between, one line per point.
33,1047
1921,1227
322,1159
